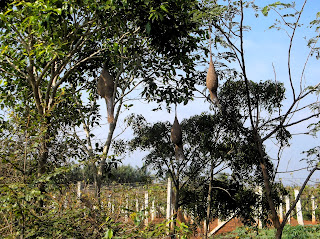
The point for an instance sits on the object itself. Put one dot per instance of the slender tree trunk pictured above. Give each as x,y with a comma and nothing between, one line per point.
279,233
175,209
106,148
102,165
209,199
44,152
94,172
267,184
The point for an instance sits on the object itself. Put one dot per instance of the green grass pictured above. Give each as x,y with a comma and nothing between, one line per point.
289,232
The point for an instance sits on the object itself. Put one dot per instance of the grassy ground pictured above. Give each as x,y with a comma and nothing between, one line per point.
289,232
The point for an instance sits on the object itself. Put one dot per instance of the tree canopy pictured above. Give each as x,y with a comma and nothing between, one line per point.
51,56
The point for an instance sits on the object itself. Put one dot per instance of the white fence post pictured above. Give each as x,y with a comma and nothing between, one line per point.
137,204
313,207
169,202
146,206
169,199
153,211
259,192
109,202
298,208
79,188
287,198
280,210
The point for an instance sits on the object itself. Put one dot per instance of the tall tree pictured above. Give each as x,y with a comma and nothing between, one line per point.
52,51
211,143
230,31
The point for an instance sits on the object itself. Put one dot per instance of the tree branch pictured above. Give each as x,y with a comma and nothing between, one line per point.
298,197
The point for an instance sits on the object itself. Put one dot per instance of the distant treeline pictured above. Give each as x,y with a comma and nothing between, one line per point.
120,174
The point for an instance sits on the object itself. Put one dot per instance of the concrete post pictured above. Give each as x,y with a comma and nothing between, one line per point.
169,199
313,207
137,204
146,206
298,209
259,192
280,210
79,188
287,198
153,211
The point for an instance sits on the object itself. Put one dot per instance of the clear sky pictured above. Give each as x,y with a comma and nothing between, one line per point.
263,49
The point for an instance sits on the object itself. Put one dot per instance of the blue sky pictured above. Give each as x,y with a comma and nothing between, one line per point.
267,47
263,49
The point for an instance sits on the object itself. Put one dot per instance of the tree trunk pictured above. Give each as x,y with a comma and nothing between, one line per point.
175,210
101,167
44,152
279,233
267,184
94,172
209,199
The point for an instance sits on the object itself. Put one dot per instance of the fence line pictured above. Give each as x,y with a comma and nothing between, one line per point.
150,201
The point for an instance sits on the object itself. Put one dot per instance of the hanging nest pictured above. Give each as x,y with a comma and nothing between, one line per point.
212,82
105,88
176,133
176,138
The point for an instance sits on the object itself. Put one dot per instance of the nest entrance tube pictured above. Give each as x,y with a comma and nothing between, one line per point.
105,88
176,137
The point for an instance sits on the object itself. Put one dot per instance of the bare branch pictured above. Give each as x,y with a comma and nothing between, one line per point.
306,62
304,119
291,171
290,47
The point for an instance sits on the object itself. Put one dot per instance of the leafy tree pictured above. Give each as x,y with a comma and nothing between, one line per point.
212,143
51,53
43,46
120,174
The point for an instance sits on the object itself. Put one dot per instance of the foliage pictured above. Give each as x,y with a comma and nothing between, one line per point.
50,56
119,174
52,51
229,197
289,232
62,217
67,215
248,232
129,174
207,136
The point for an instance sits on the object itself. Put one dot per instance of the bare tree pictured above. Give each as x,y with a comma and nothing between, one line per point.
277,126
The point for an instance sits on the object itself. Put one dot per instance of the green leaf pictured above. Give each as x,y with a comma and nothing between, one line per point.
163,6
265,10
10,10
108,234
148,27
